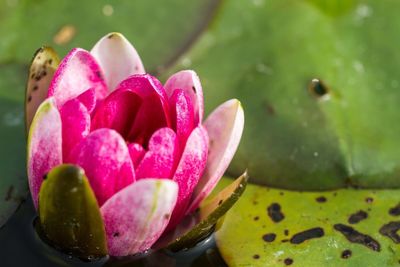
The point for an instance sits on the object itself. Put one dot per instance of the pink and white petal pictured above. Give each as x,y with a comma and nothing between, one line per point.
118,58
75,125
135,217
88,98
189,171
136,151
44,145
162,156
117,111
188,81
147,86
105,158
77,72
182,115
224,127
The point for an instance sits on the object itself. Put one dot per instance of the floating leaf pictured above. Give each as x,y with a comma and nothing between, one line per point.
271,227
43,66
347,133
69,214
209,214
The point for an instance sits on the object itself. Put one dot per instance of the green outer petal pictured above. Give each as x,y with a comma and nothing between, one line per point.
69,214
41,72
240,237
210,213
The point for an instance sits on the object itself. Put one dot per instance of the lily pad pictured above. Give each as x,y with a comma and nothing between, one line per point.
272,227
69,214
208,215
266,54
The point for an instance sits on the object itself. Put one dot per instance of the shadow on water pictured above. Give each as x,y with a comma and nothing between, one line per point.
22,246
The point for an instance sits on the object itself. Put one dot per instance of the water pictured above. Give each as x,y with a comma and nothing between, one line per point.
20,245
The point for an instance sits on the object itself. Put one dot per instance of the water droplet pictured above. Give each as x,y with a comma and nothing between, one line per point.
316,154
186,62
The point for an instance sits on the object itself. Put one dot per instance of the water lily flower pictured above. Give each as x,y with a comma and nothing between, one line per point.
148,156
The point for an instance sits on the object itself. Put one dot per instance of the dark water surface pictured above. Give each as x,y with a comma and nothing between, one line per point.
20,245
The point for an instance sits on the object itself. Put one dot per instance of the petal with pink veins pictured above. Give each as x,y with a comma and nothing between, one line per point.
161,158
182,116
105,158
118,58
224,127
135,217
75,125
190,168
77,72
44,145
188,81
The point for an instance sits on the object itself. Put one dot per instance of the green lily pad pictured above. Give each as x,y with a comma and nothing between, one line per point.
266,54
41,72
271,227
159,30
208,215
69,214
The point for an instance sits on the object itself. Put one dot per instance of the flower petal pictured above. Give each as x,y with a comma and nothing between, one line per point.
188,81
41,72
77,73
224,127
189,171
75,125
117,111
161,158
182,117
136,151
118,58
136,217
105,158
88,98
44,145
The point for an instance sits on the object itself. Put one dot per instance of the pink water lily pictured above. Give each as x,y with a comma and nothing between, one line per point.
135,139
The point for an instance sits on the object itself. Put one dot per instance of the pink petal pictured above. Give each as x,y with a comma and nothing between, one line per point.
136,151
105,158
44,145
75,125
161,159
117,111
224,127
189,171
77,72
118,58
88,98
182,116
135,217
188,81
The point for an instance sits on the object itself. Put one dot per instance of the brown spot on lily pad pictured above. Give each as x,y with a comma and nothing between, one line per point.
275,213
321,199
395,211
390,230
354,236
307,234
269,237
357,217
369,200
288,261
346,254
